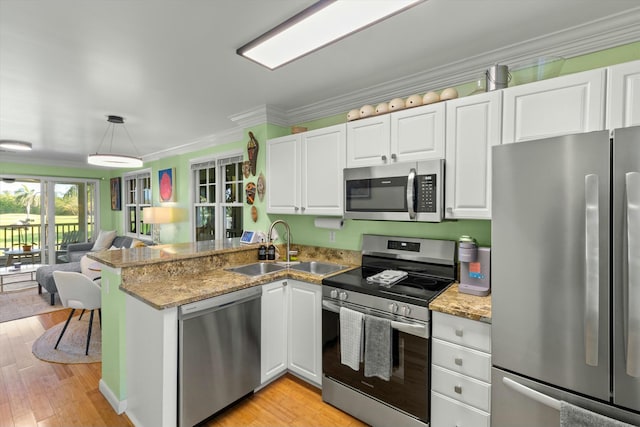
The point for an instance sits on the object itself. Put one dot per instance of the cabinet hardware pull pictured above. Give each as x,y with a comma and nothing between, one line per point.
457,389
458,361
394,157
459,332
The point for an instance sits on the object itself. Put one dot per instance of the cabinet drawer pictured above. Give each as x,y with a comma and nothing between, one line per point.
446,412
463,360
461,387
466,332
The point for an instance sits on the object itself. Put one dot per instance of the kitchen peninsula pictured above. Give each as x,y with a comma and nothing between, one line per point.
142,289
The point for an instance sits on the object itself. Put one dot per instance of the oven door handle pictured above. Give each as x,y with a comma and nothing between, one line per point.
417,329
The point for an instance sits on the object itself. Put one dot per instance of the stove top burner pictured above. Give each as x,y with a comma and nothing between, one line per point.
387,278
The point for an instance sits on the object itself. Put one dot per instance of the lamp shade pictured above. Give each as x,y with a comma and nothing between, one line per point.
159,215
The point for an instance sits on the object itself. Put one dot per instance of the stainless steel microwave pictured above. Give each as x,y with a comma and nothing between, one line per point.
412,191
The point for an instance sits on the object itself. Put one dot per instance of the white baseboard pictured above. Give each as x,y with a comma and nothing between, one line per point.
118,405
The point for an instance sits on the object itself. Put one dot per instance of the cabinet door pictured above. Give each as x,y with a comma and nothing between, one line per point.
305,310
368,141
418,133
559,106
473,127
623,95
323,160
283,175
273,330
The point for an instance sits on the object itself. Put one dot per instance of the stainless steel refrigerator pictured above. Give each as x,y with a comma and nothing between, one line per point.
566,278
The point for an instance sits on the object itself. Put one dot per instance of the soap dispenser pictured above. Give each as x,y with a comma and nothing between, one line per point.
271,252
262,251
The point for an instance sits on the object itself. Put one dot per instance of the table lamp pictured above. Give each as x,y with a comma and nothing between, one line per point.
158,215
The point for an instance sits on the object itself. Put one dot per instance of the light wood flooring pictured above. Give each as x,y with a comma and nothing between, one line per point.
38,393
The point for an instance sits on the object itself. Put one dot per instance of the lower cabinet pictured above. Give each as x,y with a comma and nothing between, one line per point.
291,330
460,372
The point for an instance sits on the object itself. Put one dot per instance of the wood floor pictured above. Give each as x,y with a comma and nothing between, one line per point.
38,393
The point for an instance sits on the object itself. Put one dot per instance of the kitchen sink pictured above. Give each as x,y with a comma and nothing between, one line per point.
319,268
256,269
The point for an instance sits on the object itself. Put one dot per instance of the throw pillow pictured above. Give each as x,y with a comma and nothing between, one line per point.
85,267
104,240
135,243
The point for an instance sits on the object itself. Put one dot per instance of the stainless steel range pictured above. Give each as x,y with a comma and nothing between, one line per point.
398,278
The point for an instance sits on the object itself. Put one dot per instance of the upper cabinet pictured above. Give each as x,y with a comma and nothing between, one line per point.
623,95
407,135
304,172
564,105
473,127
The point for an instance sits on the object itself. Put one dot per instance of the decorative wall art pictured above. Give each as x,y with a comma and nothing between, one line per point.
246,169
254,214
166,180
250,191
252,151
261,186
116,203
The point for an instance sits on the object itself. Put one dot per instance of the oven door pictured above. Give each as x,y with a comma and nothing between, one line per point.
408,388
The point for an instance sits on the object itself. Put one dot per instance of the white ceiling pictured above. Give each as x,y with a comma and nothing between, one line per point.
170,67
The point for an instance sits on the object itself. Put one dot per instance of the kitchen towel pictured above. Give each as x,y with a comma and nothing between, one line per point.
351,338
575,416
377,347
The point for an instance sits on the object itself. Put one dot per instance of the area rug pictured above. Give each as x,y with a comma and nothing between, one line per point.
26,302
71,348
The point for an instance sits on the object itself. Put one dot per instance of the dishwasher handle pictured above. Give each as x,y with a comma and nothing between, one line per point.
197,308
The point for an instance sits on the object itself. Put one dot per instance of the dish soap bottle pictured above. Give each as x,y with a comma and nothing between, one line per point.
262,251
271,252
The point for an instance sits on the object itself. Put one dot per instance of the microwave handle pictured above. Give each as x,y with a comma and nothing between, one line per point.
411,190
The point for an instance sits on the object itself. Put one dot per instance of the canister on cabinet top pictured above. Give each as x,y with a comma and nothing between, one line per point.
498,77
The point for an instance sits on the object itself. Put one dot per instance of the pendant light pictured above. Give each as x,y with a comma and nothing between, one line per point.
110,159
13,145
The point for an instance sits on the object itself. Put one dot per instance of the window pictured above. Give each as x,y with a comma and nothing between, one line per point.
218,204
137,196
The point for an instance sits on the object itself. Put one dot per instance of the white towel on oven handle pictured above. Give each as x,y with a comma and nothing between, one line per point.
351,337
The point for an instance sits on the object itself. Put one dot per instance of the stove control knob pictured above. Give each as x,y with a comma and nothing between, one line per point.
393,307
405,310
342,296
334,293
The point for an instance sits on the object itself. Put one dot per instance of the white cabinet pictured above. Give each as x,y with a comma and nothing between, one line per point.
460,372
473,127
623,95
564,105
304,172
305,330
274,332
407,135
291,330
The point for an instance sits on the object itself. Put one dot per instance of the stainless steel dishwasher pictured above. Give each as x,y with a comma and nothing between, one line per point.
219,353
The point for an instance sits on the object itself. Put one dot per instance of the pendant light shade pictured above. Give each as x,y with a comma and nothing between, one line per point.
12,145
110,159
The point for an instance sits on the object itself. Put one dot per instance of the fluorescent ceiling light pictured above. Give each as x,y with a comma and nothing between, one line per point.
12,145
322,23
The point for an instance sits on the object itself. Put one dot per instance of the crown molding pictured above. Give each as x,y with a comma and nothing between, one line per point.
591,37
260,115
226,136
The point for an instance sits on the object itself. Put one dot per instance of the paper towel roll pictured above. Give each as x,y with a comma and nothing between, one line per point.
330,223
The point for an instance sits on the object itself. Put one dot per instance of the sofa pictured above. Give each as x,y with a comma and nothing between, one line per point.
75,252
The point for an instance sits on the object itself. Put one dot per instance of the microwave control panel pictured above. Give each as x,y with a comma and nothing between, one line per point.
426,199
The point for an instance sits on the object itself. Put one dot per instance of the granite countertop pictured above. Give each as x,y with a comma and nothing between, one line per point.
451,301
182,290
166,276
145,255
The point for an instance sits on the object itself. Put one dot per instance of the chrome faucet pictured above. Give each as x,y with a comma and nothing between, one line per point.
273,224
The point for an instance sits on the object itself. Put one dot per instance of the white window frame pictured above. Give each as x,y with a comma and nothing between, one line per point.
139,203
218,161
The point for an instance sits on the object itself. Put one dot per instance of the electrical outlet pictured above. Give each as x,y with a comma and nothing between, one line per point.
332,236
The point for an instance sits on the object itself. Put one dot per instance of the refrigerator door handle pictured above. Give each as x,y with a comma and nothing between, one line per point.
531,393
592,269
632,181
